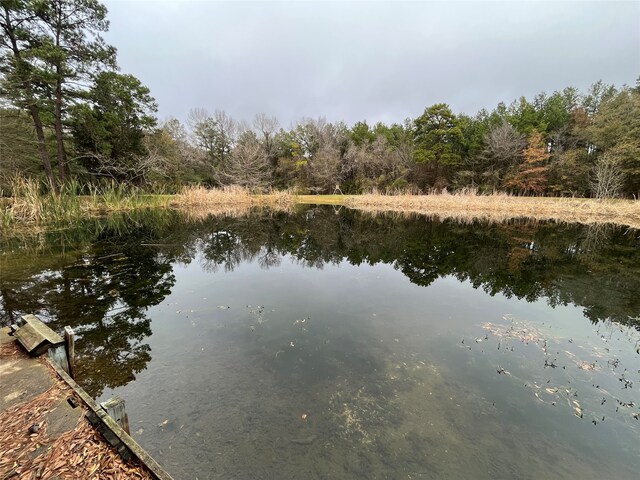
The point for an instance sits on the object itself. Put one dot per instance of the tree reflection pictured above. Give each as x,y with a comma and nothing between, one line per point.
597,268
104,296
103,278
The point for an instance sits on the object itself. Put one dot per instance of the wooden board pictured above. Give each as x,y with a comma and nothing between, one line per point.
112,431
36,337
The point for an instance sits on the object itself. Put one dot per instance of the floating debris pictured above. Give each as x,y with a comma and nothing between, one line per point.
626,383
587,354
587,366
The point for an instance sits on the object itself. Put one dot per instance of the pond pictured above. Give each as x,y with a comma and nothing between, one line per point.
336,344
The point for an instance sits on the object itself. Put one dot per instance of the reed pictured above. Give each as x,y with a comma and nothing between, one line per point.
199,202
230,196
31,204
468,205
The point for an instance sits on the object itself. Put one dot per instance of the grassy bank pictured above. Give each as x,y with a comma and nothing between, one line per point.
499,207
29,207
468,206
200,202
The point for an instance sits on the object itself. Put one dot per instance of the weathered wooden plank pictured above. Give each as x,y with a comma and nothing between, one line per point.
115,408
70,342
100,416
43,328
29,338
35,336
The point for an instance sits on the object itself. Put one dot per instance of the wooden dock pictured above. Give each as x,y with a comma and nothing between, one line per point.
49,426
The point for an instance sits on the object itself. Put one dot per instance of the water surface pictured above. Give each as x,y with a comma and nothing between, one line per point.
334,344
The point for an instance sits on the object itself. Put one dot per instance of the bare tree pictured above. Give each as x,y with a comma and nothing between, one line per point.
608,176
267,127
248,164
324,169
323,144
215,133
504,147
374,163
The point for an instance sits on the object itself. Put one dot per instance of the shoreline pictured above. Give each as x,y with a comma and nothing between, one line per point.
502,208
464,207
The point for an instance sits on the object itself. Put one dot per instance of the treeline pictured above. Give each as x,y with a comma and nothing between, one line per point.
68,113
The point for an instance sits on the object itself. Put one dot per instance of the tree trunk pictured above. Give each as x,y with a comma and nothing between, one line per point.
62,156
42,146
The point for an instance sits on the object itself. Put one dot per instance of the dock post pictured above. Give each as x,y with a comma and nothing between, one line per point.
70,341
115,408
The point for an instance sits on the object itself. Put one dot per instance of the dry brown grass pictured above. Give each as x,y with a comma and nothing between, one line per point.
200,201
468,206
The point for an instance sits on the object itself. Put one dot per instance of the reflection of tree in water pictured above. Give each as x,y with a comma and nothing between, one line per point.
596,238
103,281
595,267
103,296
117,292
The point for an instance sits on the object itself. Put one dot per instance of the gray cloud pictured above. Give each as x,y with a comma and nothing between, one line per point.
376,61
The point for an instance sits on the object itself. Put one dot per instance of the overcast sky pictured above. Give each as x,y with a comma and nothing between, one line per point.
379,61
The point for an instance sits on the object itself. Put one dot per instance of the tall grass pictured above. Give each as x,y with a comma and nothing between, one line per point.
113,197
469,205
230,198
30,202
200,202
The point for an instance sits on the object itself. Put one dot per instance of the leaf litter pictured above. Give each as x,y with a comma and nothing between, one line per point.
80,453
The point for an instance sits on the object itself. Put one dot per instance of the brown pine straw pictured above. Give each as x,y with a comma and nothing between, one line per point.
80,453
